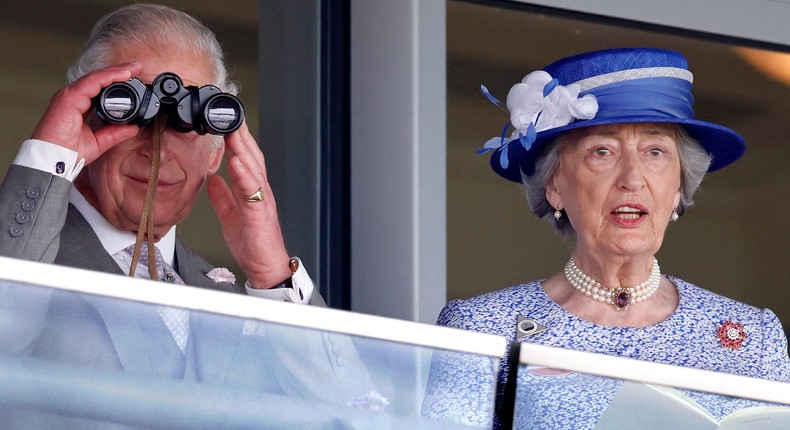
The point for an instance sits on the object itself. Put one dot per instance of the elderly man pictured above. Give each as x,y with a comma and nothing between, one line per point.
92,224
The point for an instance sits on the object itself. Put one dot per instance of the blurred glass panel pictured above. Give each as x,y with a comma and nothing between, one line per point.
82,349
561,388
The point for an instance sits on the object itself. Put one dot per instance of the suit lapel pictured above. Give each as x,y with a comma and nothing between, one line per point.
193,269
80,247
214,339
141,339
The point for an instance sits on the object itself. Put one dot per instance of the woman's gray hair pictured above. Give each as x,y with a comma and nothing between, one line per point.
694,163
150,25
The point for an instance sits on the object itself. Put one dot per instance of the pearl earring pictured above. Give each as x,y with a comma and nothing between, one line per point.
557,214
674,216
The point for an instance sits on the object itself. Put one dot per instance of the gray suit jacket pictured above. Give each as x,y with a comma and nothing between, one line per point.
101,333
37,223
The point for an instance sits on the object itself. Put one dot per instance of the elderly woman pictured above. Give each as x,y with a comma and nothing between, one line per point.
609,152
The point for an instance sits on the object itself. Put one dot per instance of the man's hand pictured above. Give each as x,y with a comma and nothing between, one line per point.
251,229
63,123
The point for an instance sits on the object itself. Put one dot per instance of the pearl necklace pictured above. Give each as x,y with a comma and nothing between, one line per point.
620,298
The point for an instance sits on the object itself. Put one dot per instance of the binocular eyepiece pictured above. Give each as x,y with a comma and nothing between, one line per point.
203,110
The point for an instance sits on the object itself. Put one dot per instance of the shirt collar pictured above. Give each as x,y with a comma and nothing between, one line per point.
114,240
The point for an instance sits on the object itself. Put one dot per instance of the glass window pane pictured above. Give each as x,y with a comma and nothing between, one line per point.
75,353
561,388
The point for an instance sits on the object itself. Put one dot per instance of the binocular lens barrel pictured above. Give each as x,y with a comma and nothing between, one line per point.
118,103
222,113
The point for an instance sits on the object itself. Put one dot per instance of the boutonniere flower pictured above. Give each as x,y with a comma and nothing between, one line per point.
731,335
221,274
372,401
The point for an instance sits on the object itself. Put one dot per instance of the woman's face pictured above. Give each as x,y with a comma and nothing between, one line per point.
618,185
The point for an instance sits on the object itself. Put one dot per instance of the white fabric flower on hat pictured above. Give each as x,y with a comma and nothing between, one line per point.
538,103
582,108
525,101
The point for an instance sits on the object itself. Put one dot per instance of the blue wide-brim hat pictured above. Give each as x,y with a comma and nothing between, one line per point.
628,85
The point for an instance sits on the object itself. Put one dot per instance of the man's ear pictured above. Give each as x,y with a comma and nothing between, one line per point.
215,159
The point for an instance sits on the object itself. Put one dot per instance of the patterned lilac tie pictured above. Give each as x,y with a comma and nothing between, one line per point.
176,320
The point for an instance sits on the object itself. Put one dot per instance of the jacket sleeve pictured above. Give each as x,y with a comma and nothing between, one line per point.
33,207
775,358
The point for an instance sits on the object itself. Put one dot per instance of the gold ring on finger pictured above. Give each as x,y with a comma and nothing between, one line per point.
256,196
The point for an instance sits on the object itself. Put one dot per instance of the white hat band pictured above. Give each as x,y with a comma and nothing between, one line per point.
626,75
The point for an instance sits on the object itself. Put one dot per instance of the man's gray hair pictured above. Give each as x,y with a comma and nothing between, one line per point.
150,25
694,163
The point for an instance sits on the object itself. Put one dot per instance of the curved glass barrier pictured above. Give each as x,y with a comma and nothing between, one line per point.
562,388
81,349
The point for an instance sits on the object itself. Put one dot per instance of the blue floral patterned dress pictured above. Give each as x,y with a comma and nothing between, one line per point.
687,338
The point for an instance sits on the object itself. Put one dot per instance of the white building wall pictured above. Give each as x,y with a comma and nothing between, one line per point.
398,92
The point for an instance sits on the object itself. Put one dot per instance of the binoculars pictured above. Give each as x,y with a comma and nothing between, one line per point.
203,110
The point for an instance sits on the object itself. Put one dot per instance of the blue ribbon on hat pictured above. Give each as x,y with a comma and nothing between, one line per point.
650,97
